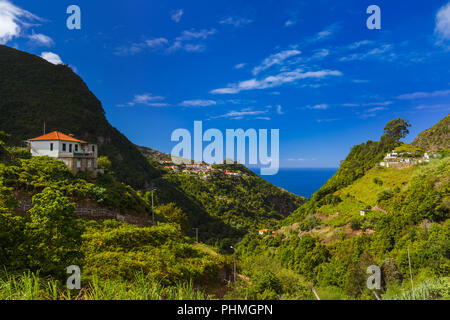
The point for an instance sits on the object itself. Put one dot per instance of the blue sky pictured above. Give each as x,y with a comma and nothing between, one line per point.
309,68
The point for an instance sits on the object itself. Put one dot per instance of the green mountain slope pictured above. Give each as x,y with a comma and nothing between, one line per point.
435,138
365,215
34,91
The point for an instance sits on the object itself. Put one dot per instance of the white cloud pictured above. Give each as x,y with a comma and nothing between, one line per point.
188,35
135,48
193,34
290,23
424,95
240,65
320,107
51,57
13,20
358,44
238,115
322,53
325,34
382,52
275,81
147,99
236,21
198,103
194,47
436,106
156,42
443,22
376,109
326,120
41,39
176,15
275,59
179,43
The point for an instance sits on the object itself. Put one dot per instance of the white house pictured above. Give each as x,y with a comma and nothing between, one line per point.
78,155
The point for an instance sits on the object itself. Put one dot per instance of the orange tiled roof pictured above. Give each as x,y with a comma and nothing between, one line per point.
56,135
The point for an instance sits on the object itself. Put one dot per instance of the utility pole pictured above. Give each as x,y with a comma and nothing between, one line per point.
411,276
196,234
44,127
234,263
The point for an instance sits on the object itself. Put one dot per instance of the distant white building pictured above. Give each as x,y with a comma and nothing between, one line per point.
78,155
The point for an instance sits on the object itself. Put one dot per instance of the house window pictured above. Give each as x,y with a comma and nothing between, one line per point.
70,147
76,147
78,163
93,148
89,163
51,146
64,147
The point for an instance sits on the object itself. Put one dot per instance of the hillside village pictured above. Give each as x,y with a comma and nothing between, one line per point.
406,156
201,169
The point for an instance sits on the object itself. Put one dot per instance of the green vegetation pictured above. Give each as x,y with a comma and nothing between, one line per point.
34,91
437,138
364,215
29,286
244,203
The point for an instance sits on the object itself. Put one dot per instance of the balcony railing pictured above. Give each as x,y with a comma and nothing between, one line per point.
80,153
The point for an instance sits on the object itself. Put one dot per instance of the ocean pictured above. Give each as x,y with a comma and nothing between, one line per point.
300,181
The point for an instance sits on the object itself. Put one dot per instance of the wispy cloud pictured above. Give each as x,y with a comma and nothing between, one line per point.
433,106
51,57
187,41
382,52
376,109
14,20
236,21
41,40
238,115
240,66
442,29
147,99
325,34
189,35
135,48
424,95
275,59
275,80
195,34
319,107
326,120
368,104
198,103
176,15
290,23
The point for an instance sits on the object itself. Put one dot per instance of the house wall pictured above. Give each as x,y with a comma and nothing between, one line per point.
75,163
42,148
68,144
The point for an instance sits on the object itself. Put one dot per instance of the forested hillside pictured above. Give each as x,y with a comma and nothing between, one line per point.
365,215
435,138
34,91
